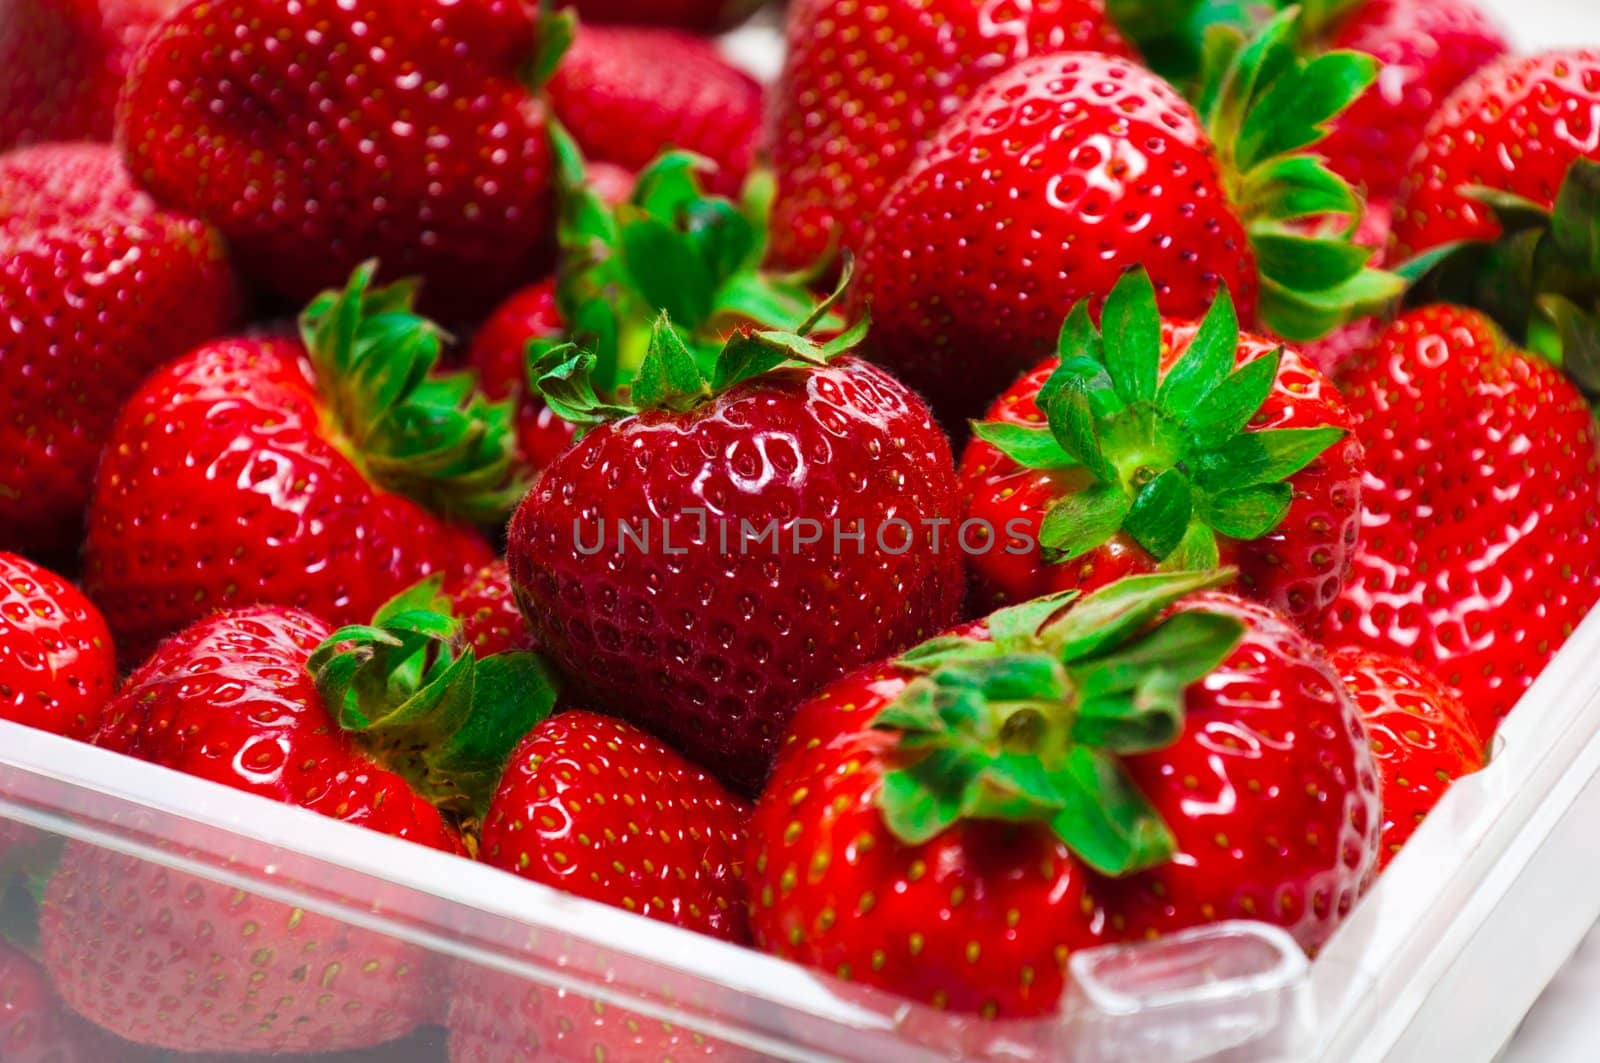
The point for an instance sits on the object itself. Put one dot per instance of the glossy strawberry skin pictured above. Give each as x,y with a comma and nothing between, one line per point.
63,62
865,84
713,649
221,488
586,795
500,355
1271,793
1482,498
57,664
1421,735
1515,126
491,620
626,94
702,15
1299,568
388,129
1426,48
100,288
1054,180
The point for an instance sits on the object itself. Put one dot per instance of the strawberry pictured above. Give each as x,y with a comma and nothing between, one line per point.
702,15
36,1027
390,129
99,287
1426,48
500,356
864,85
1166,443
596,807
952,825
372,725
1069,170
1482,499
743,601
626,94
1421,735
491,621
57,665
297,473
62,63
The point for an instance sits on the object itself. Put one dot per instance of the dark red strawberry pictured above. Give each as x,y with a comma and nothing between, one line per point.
1068,171
1421,735
36,1027
99,288
865,84
743,602
593,806
57,665
1482,498
62,64
627,94
500,355
1164,443
373,725
491,621
392,129
1426,48
953,825
307,474
702,15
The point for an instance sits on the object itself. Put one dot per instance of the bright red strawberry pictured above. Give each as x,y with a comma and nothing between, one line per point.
865,84
392,129
593,806
1482,498
627,94
57,665
1067,171
1165,443
36,1027
500,355
1118,777
744,601
274,702
1516,127
271,470
1426,48
491,621
1421,735
702,15
99,288
63,62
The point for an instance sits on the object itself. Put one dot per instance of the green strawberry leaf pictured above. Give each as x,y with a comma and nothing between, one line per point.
1160,513
669,376
1105,820
1230,406
1032,448
1250,512
1083,521
1131,327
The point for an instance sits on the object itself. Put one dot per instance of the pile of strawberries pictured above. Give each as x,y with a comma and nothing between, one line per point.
1016,485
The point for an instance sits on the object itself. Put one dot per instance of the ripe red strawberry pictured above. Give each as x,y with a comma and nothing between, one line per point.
593,806
325,132
1482,498
702,15
99,287
1165,443
1426,48
1067,171
311,474
36,1027
865,84
953,825
57,665
62,63
743,602
491,621
626,94
500,355
1421,735
274,702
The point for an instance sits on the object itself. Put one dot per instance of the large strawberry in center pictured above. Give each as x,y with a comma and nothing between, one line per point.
316,135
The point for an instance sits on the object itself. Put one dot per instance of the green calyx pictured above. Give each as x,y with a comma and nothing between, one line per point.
677,376
1031,726
673,249
1168,456
1265,106
433,438
1539,280
425,706
555,30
